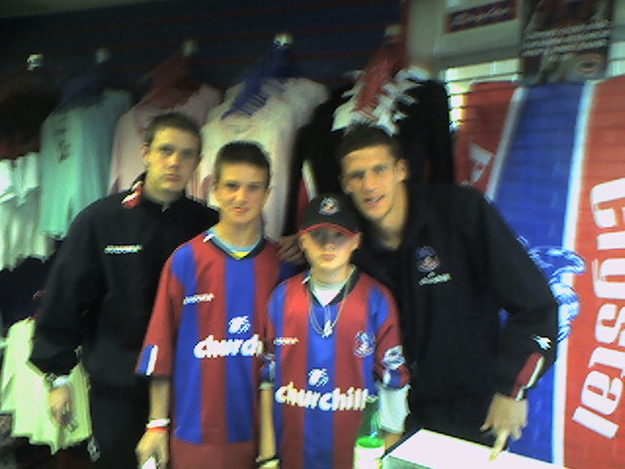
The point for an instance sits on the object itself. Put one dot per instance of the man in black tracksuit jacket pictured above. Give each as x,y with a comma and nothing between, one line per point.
102,285
452,263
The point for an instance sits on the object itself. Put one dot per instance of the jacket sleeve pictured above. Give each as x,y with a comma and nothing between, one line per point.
157,354
528,340
73,290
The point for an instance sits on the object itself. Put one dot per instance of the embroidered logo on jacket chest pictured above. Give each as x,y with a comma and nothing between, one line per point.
428,262
123,249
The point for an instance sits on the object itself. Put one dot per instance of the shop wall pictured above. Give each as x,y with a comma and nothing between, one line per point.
330,37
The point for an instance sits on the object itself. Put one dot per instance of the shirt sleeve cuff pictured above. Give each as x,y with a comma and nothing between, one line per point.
393,408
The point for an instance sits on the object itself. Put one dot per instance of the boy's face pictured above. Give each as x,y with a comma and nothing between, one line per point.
328,249
241,192
373,178
170,160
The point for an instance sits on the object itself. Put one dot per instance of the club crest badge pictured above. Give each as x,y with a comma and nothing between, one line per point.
427,259
328,206
364,344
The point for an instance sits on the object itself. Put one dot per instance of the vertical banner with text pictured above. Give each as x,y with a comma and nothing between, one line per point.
556,170
595,407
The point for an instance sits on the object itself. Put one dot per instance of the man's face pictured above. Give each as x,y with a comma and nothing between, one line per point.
373,178
241,192
170,160
328,249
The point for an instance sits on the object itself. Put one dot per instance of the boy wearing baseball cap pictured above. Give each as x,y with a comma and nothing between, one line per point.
332,341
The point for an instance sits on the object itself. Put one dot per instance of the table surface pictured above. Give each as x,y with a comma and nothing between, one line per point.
430,450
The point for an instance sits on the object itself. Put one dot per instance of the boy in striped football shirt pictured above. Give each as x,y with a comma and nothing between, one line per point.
202,347
333,340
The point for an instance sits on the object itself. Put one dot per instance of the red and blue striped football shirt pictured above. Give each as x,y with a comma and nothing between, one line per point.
204,335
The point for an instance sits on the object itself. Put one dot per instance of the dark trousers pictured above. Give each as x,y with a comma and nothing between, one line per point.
461,417
118,417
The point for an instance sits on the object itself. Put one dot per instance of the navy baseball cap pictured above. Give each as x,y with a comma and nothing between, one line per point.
330,211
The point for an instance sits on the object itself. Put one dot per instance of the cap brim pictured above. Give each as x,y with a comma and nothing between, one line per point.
342,229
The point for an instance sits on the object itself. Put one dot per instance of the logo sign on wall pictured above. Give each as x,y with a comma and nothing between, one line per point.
482,14
564,40
558,155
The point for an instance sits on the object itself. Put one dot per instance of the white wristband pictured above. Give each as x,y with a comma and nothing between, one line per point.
60,381
158,423
55,381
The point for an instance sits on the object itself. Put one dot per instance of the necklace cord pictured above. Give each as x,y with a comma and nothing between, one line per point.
328,328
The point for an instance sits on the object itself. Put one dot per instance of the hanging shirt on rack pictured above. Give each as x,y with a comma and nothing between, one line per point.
75,157
19,212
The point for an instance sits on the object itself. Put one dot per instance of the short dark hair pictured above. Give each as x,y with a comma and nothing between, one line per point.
362,136
173,120
241,152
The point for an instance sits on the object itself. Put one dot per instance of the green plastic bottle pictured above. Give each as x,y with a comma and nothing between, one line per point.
369,446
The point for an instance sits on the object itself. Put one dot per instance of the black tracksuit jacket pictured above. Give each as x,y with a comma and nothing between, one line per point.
102,284
458,264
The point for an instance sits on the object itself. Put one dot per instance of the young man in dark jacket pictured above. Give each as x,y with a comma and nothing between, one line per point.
452,263
101,289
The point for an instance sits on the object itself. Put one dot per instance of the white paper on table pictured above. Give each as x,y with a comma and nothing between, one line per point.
427,449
